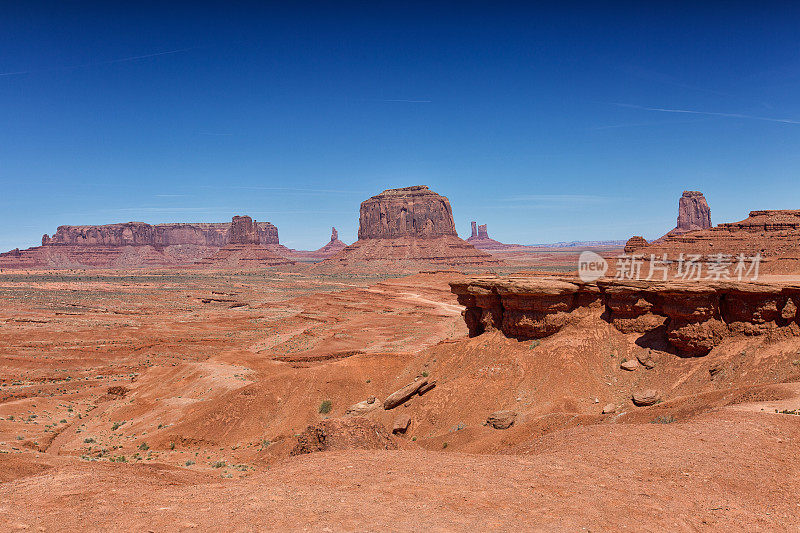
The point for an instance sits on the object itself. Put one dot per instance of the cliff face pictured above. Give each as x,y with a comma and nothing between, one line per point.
691,318
693,215
693,212
140,234
408,212
137,244
407,229
480,239
243,231
774,234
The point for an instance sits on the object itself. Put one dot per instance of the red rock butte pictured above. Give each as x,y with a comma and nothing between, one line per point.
480,239
408,227
774,234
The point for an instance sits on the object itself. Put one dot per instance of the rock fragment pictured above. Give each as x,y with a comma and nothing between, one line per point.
401,424
646,397
501,419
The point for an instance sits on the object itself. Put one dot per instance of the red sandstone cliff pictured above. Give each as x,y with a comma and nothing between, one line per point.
407,229
136,244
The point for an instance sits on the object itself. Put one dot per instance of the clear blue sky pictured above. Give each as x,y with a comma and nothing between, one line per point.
548,124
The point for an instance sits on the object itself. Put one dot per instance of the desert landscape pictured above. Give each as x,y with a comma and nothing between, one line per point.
399,267
408,381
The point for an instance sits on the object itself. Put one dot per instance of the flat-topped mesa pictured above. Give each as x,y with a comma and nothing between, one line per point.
766,220
214,234
136,244
243,231
691,318
693,212
407,212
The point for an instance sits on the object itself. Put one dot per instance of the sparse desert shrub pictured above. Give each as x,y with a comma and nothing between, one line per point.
425,374
444,445
189,462
144,447
325,407
116,425
88,440
535,343
218,464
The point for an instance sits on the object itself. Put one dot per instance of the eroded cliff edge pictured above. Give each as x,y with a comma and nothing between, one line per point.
689,318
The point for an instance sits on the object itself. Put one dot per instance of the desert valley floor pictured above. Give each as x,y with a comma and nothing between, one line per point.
172,400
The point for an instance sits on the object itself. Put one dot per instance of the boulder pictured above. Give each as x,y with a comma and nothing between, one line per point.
629,365
401,424
401,396
609,408
646,359
646,397
363,407
501,419
425,388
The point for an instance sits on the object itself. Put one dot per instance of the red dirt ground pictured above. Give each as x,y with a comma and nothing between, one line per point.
201,381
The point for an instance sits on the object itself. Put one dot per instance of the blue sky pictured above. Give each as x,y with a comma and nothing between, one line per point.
575,122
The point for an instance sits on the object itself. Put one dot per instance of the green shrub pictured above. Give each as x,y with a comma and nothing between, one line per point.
325,407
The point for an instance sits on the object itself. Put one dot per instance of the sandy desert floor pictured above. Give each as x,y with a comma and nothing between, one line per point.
171,400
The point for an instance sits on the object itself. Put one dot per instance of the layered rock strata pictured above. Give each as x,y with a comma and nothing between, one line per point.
772,234
692,318
139,234
244,249
406,229
137,244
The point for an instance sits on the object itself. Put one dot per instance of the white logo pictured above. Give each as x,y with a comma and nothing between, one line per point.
591,267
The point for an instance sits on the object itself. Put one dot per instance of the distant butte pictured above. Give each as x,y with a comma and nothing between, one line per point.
480,239
408,228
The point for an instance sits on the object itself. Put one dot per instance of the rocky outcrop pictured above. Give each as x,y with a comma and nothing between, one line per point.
635,243
772,234
243,231
691,318
407,229
334,246
693,212
407,212
480,239
350,433
501,419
